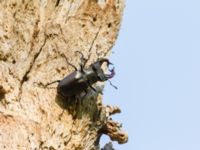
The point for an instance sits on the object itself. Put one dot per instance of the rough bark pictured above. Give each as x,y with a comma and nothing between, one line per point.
36,37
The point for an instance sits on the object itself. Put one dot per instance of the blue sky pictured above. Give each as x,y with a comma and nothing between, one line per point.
157,60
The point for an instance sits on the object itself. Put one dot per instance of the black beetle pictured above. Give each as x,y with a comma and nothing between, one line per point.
80,80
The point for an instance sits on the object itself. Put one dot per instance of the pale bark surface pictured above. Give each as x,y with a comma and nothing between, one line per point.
35,38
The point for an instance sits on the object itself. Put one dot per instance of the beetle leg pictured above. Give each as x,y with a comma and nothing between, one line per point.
69,63
82,66
112,85
45,85
84,95
83,59
92,88
52,83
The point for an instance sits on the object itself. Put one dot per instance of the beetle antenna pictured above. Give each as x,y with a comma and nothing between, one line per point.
112,85
83,60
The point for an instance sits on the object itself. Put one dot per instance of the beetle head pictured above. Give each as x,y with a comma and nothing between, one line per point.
99,71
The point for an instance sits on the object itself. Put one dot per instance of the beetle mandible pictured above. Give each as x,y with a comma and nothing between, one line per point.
82,79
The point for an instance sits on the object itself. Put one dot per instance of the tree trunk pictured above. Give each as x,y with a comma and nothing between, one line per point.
37,37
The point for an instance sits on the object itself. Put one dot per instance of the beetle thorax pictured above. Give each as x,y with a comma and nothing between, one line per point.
90,76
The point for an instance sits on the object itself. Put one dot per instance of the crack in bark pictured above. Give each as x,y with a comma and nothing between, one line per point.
13,75
57,2
70,136
67,17
96,36
63,36
46,62
34,35
25,77
2,92
82,19
67,141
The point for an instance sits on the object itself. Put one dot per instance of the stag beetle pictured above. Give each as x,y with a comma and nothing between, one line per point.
82,79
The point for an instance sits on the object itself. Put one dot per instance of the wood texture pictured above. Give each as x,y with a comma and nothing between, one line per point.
36,37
